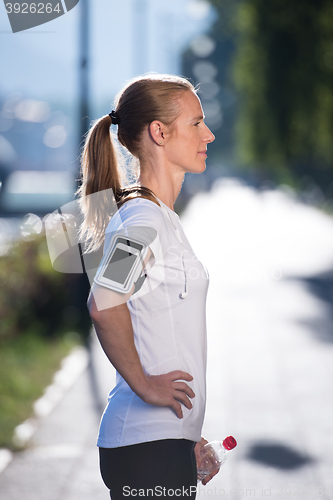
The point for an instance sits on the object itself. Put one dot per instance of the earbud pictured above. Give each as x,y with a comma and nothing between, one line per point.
184,294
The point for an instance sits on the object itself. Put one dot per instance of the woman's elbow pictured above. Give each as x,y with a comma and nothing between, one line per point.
104,310
92,307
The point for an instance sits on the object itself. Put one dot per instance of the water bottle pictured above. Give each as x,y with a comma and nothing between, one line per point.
213,455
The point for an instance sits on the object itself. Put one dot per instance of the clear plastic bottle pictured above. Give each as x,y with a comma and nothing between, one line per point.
213,455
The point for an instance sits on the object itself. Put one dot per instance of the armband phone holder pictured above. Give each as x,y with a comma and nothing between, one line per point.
122,265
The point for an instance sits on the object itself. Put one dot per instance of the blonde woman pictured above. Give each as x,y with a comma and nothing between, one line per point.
150,432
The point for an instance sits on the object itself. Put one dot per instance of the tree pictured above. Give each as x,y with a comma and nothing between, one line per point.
278,58
283,71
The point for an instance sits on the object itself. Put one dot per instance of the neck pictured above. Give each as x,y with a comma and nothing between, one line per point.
165,186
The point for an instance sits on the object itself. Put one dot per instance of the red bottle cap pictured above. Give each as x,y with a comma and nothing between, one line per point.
229,443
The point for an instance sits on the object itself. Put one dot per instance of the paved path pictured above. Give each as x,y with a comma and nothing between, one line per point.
270,360
270,339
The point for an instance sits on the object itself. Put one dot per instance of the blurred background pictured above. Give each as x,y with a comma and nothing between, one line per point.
265,76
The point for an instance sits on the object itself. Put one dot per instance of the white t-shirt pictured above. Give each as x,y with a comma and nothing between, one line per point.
169,332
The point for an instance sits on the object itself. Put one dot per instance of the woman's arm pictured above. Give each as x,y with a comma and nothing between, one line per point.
114,329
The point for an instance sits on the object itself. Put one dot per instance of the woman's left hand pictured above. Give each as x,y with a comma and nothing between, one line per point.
197,451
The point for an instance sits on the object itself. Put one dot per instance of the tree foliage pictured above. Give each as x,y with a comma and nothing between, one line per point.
282,70
36,299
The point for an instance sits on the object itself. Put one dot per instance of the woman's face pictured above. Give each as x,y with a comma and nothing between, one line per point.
186,148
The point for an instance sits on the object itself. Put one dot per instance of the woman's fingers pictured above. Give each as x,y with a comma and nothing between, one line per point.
180,396
178,409
180,375
183,391
181,386
168,390
209,477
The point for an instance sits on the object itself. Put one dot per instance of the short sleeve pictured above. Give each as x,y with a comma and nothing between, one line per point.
143,220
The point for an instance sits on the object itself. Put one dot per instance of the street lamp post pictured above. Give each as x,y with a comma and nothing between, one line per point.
84,68
81,286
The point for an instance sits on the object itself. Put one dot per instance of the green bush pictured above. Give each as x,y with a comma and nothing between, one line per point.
36,299
27,366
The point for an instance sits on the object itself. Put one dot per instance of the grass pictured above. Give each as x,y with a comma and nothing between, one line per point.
27,366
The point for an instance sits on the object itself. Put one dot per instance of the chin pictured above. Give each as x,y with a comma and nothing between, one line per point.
200,170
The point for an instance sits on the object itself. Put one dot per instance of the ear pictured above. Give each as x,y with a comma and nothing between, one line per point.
157,132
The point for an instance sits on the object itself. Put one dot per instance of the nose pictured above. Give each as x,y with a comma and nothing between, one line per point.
209,136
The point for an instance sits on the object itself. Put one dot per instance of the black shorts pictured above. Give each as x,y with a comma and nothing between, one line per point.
160,469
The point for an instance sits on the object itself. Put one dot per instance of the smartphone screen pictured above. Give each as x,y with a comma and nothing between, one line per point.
120,266
121,263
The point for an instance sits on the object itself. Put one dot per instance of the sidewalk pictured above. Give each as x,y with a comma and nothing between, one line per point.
270,361
270,341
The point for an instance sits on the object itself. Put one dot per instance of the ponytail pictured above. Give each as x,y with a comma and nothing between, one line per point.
99,172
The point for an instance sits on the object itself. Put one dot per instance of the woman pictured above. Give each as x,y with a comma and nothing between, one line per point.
150,433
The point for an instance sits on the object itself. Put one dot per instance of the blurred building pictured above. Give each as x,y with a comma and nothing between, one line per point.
40,117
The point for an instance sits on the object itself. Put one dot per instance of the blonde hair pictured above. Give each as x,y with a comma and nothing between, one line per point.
143,100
